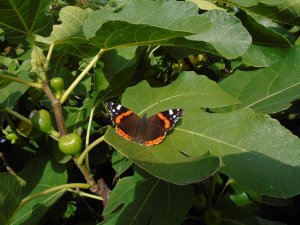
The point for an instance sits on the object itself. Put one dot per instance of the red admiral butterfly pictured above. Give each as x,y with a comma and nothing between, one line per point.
151,131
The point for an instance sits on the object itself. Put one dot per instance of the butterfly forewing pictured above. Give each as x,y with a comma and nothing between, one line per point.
127,121
159,124
170,117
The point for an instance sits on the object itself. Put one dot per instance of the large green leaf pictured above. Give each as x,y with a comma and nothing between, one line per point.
255,150
262,56
267,90
22,19
183,93
10,93
261,34
138,23
250,145
172,160
49,174
227,36
10,196
143,199
68,36
287,12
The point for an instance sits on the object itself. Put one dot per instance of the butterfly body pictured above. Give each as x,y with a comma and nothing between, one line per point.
146,131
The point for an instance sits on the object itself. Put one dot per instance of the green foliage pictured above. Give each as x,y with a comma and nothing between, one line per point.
38,174
233,67
22,19
278,91
10,194
143,199
104,27
11,92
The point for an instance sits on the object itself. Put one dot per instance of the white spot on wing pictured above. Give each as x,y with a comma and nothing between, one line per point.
171,112
119,107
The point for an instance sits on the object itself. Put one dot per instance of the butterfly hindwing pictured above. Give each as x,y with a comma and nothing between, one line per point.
159,124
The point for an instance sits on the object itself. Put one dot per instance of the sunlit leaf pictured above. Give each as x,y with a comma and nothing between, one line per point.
188,92
227,37
250,145
137,23
262,56
206,5
267,90
68,36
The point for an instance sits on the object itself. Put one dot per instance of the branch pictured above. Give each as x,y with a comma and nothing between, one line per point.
100,188
18,115
55,103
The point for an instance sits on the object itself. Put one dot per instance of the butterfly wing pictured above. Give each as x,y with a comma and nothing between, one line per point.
127,122
159,124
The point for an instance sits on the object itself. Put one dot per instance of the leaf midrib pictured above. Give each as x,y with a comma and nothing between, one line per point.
166,99
145,201
215,140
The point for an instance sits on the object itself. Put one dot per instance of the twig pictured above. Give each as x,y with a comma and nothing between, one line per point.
84,194
89,148
17,115
100,188
7,167
10,170
45,67
81,76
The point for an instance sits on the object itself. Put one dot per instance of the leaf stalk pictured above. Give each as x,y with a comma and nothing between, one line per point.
87,149
16,79
81,76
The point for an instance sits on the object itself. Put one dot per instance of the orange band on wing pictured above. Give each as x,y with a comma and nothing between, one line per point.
166,121
155,141
121,116
123,134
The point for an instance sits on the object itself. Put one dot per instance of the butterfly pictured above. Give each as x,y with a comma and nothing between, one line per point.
146,131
